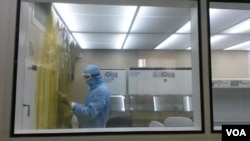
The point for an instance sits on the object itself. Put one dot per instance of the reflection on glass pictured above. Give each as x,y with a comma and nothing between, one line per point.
230,64
146,82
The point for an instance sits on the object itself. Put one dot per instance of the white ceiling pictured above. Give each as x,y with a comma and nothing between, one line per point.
133,27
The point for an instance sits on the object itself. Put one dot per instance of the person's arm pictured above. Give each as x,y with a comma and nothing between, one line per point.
95,106
63,98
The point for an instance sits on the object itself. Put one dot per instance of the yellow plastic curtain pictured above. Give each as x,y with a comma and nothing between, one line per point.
47,75
53,77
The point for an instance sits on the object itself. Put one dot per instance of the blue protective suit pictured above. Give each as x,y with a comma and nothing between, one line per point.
95,110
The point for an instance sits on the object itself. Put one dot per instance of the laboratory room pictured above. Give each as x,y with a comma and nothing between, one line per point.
86,68
97,68
230,64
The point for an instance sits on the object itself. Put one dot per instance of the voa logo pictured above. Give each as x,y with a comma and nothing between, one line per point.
236,132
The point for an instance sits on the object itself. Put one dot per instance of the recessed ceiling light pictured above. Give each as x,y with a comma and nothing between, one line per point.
216,38
81,41
170,40
174,37
214,13
241,46
241,27
185,29
65,13
99,41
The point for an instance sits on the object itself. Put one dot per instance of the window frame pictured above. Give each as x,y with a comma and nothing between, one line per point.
13,134
212,126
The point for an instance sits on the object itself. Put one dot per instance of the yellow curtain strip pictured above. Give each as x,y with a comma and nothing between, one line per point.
52,77
46,106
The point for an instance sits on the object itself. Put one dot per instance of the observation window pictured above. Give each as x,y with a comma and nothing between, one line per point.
147,52
230,75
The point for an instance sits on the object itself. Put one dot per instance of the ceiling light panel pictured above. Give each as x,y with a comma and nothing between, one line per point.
99,40
175,41
217,38
96,18
240,28
221,19
241,46
222,41
185,28
143,41
160,19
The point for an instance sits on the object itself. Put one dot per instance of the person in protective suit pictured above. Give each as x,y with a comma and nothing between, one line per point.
95,110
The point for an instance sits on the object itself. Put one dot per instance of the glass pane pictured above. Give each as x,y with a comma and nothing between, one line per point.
230,38
83,66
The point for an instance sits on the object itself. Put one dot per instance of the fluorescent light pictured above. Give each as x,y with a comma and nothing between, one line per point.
241,27
119,41
123,14
214,12
174,37
185,29
129,14
98,41
175,41
188,48
216,38
66,14
69,15
241,46
81,41
170,40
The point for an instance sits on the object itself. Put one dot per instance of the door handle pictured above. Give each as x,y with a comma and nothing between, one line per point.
27,105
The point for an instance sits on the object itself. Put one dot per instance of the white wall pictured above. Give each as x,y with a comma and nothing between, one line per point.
229,64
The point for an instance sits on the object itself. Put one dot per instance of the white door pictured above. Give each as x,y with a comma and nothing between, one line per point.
28,106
